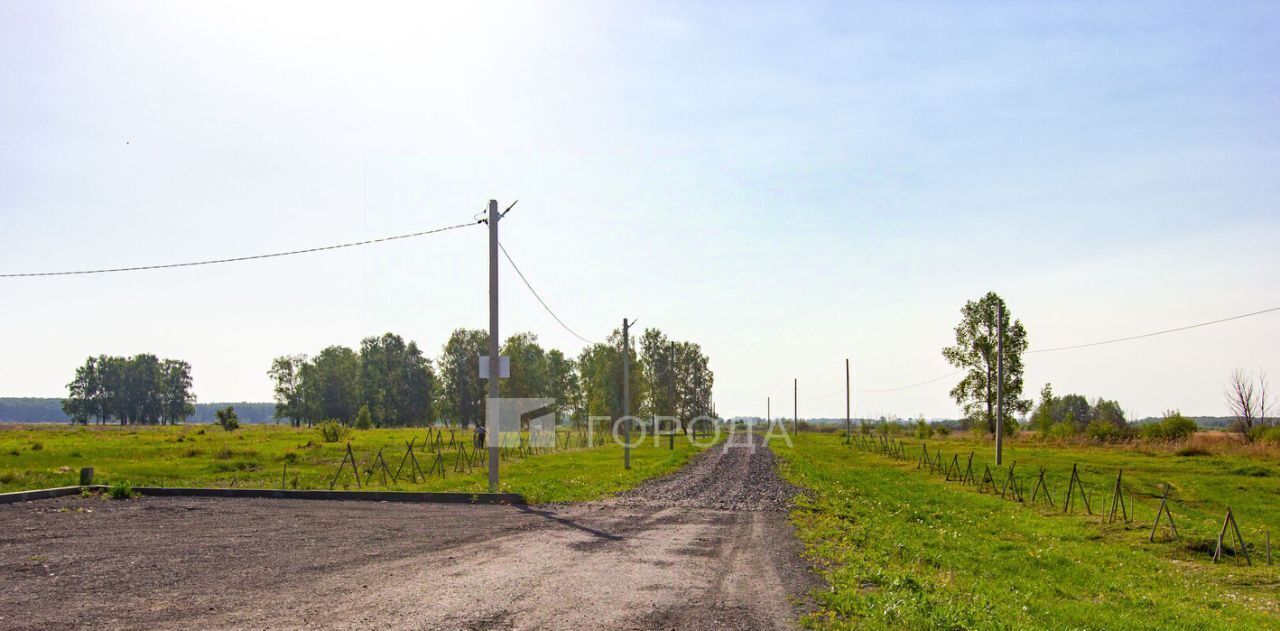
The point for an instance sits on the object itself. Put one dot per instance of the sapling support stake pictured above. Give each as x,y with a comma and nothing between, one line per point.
355,469
1076,483
1230,520
1117,501
1163,510
1041,484
987,479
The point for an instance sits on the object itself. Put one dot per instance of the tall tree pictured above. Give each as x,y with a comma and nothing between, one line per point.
84,394
1109,412
975,352
113,387
658,363
562,384
336,371
1248,401
177,401
462,392
144,379
286,374
695,383
420,379
390,369
600,369
528,367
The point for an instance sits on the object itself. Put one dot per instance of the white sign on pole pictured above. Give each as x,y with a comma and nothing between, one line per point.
504,367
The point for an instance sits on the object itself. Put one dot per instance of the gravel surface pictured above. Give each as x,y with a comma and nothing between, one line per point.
738,475
705,548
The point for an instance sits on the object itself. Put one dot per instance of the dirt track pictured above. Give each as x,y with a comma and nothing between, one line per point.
706,548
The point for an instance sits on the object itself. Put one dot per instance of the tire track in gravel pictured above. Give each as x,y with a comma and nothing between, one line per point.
707,547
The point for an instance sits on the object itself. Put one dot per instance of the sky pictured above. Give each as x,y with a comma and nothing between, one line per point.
787,184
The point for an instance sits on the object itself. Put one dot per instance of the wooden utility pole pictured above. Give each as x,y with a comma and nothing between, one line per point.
999,383
626,395
795,409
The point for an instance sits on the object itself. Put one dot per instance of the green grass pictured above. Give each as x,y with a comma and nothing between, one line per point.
903,548
255,456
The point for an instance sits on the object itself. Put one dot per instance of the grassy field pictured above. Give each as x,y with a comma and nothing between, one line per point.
42,456
903,548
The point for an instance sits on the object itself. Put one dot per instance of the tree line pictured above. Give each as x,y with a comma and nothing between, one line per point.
138,390
393,384
49,410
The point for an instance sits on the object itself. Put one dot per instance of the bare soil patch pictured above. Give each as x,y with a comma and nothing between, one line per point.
706,548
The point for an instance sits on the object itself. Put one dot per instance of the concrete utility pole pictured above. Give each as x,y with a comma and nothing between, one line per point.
671,393
795,402
848,418
1000,383
626,396
494,361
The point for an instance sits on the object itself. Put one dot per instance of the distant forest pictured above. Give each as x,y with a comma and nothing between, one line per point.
46,410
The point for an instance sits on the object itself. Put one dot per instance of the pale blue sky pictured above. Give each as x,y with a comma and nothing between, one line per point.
787,184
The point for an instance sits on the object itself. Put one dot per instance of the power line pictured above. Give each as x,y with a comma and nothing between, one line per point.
914,385
238,258
1087,345
535,295
1138,337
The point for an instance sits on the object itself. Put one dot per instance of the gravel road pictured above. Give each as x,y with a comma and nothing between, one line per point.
705,548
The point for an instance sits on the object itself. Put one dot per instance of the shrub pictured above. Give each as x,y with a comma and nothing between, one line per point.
1152,431
291,456
943,430
1103,431
923,429
37,446
1267,434
121,491
1173,427
333,431
227,419
224,454
1177,426
1063,429
364,419
1192,451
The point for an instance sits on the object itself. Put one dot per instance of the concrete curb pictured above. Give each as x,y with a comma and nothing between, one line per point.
364,496
367,496
38,494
